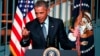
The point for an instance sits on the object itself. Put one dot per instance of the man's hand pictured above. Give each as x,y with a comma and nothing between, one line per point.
25,33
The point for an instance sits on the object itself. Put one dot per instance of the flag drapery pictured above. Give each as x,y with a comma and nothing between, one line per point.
79,5
24,14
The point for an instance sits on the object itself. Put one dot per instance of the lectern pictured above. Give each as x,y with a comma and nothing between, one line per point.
40,52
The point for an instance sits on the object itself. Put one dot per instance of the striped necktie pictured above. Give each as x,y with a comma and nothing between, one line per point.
44,30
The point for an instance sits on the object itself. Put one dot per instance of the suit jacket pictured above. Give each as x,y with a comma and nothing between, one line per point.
56,35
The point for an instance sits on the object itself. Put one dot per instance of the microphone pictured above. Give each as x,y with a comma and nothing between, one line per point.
50,42
55,42
47,41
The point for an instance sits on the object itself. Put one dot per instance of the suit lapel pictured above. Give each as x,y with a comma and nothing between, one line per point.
51,27
40,32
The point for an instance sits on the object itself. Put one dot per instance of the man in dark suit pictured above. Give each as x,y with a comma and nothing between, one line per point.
55,32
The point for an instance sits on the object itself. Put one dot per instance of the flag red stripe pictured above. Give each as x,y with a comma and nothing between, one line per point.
16,33
18,20
30,16
22,53
15,48
24,21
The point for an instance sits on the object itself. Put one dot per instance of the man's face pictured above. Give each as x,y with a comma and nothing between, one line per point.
41,13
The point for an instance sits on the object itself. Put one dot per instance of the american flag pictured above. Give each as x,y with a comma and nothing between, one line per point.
24,13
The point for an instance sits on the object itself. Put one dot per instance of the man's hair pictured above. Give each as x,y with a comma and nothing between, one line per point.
41,3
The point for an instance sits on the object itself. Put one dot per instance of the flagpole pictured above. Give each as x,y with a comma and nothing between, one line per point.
78,37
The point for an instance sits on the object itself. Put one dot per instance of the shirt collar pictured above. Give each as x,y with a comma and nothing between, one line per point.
46,21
